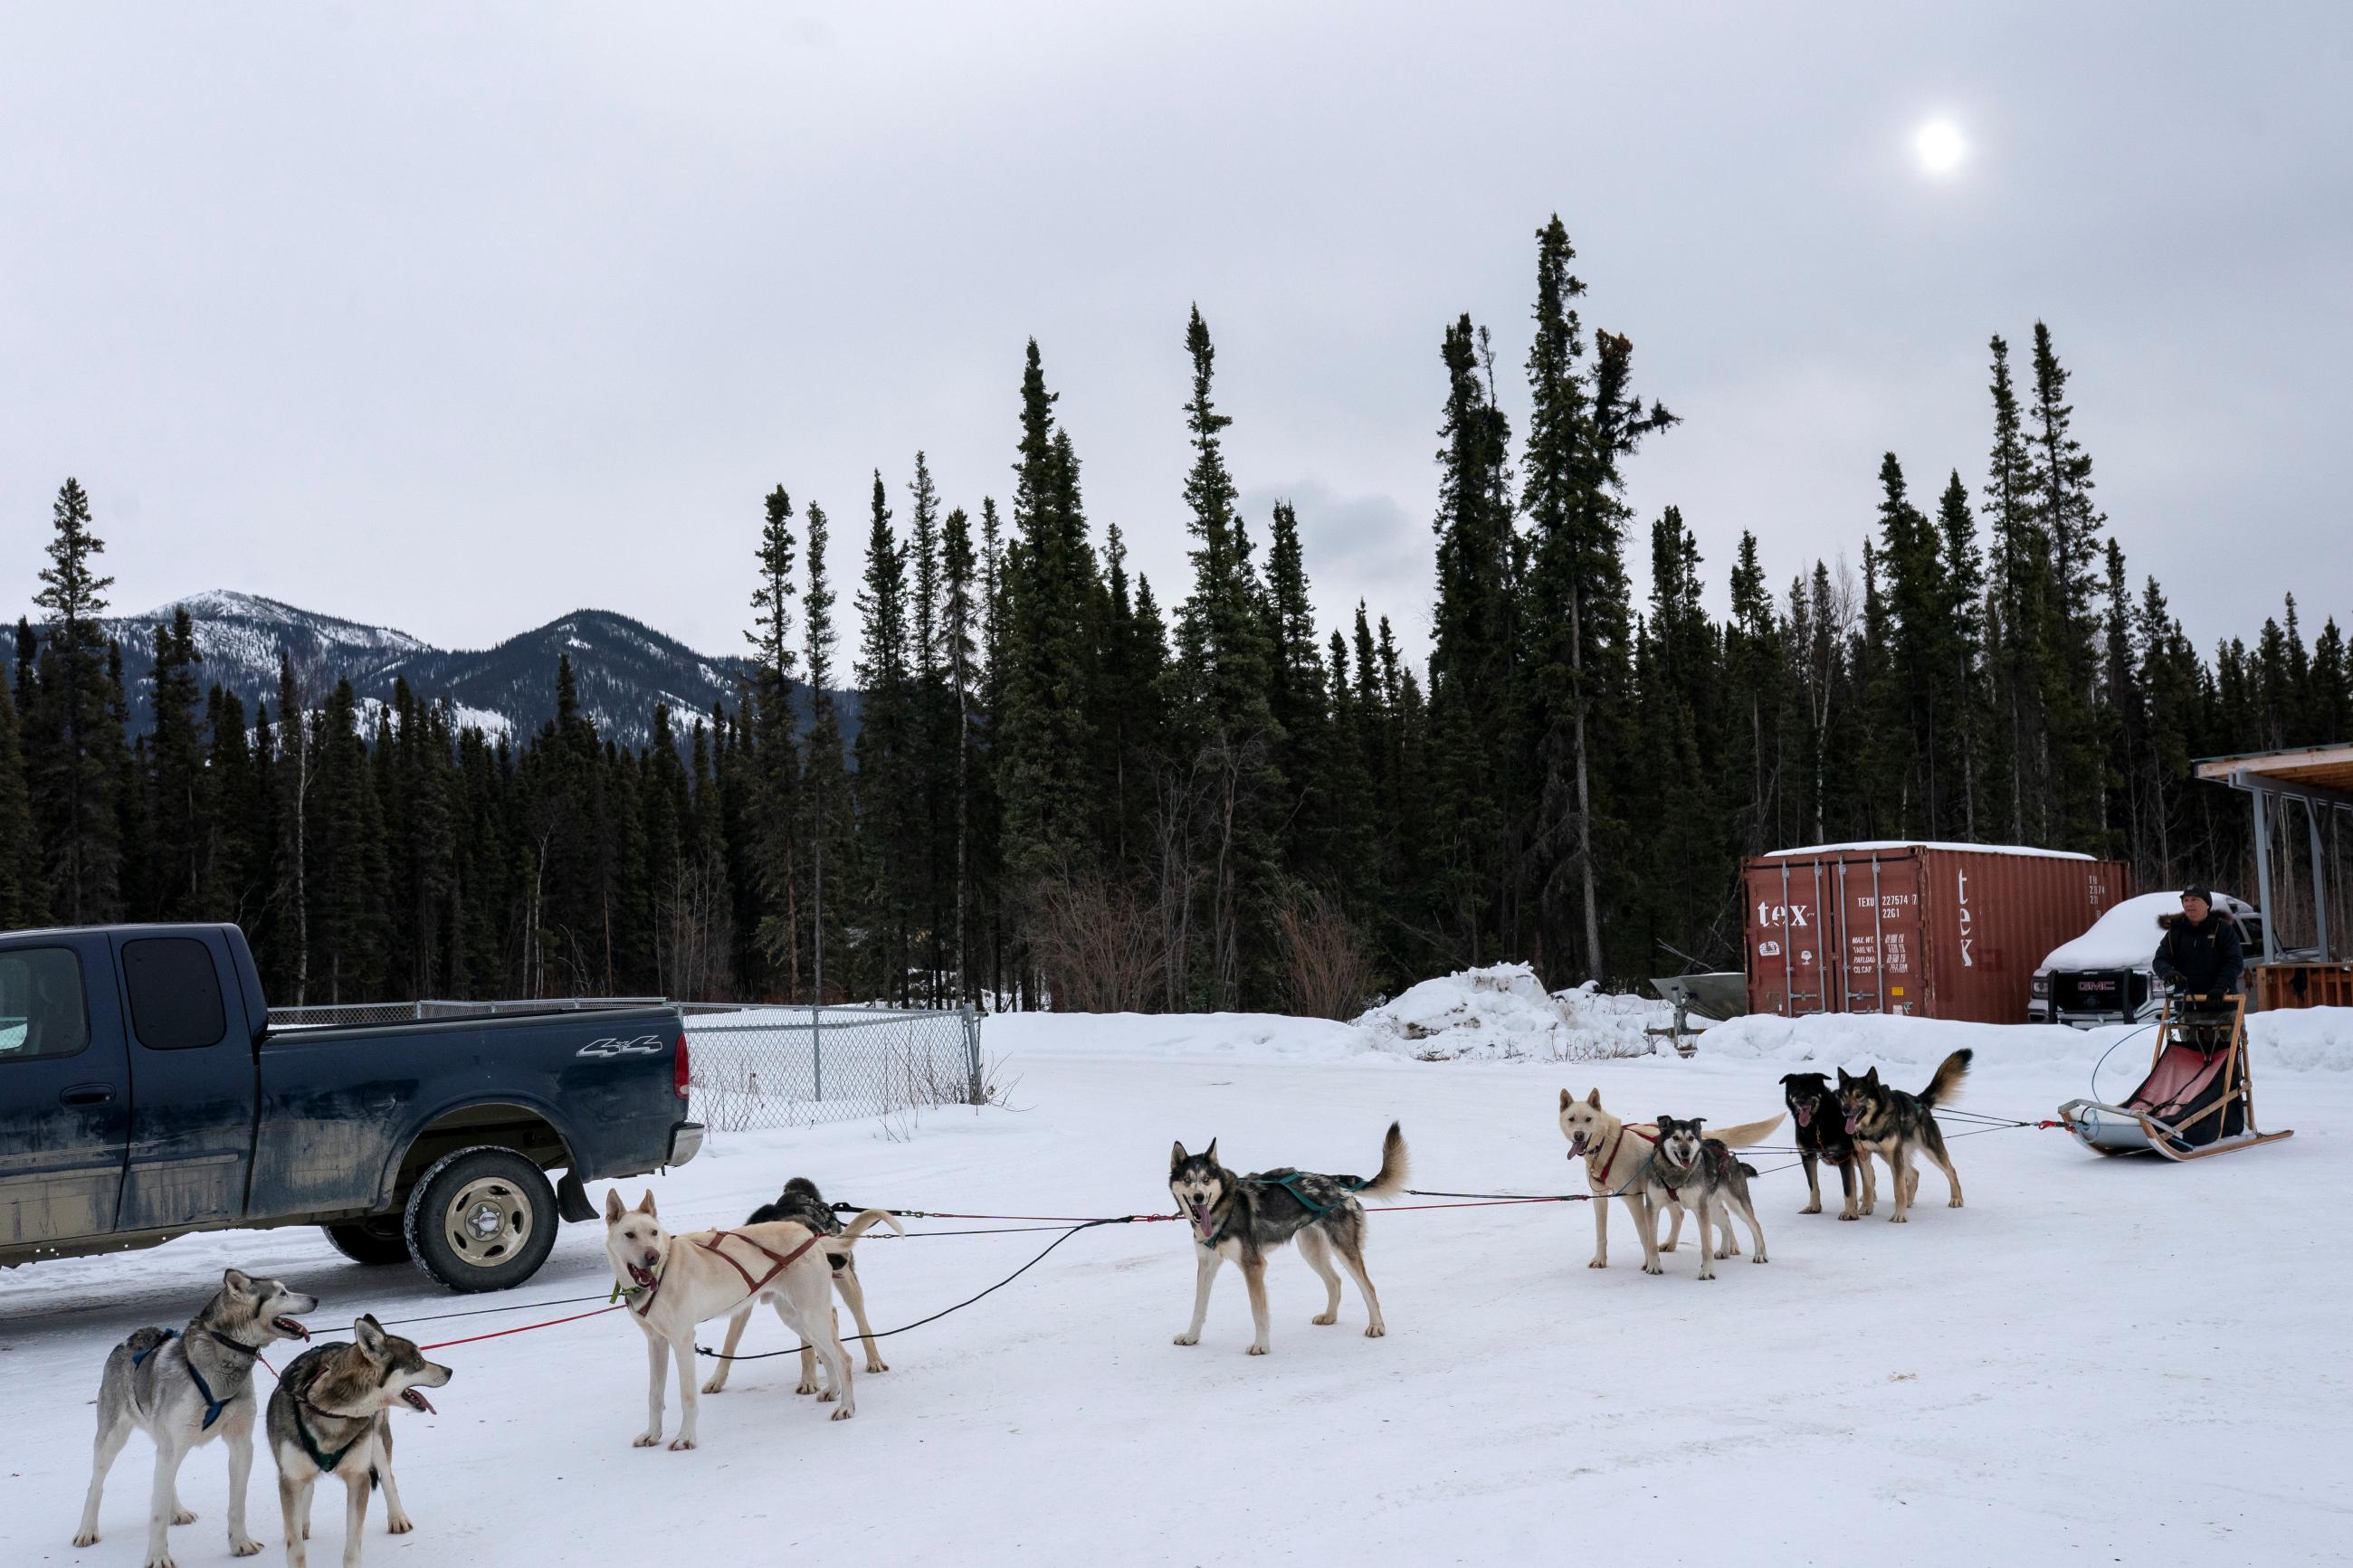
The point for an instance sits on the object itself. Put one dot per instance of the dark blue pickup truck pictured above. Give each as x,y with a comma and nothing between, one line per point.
144,1094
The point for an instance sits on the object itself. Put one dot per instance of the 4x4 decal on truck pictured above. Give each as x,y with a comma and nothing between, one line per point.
643,1046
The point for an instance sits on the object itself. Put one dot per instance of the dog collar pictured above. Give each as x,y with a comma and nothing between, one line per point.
239,1345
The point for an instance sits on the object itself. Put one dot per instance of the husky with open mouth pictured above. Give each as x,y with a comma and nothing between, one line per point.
1246,1218
1894,1125
331,1415
673,1283
184,1387
1703,1172
1614,1153
1822,1138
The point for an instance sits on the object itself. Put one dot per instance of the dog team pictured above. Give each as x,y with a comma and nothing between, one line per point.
330,1413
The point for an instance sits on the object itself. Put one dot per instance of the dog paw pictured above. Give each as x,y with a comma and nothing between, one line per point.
182,1516
87,1538
1598,1263
1760,1257
163,1562
243,1547
1652,1269
845,1412
1188,1339
1258,1350
827,1397
714,1386
805,1388
1375,1330
1669,1246
647,1440
1899,1220
399,1524
878,1366
1812,1208
1953,1203
679,1445
1324,1320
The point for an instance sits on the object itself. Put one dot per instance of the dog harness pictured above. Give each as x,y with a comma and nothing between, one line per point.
778,1263
1289,1184
213,1408
1618,1142
325,1461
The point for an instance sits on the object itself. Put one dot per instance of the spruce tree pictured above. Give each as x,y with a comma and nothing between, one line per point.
177,745
830,825
22,902
774,768
78,760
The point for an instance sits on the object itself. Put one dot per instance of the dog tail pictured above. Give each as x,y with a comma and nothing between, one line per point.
1745,1168
1395,1169
1747,1132
1946,1084
840,1246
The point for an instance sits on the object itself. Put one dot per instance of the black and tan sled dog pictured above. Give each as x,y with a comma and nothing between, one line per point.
1822,1139
1246,1218
1893,1124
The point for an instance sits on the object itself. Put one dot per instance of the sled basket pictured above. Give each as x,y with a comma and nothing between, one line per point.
2198,1099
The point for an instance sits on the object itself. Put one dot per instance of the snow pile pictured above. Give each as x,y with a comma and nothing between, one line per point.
2301,1039
1504,1012
1252,1036
1862,845
1825,1041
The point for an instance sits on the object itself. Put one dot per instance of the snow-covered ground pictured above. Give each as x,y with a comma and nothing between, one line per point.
2096,1360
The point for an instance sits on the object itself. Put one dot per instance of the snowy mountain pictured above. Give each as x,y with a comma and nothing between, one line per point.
622,667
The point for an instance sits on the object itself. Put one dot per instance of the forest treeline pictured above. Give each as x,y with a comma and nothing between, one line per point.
1067,789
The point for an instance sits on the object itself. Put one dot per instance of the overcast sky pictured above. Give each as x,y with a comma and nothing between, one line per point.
458,318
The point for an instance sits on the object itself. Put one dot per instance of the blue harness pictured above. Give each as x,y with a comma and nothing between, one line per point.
213,1408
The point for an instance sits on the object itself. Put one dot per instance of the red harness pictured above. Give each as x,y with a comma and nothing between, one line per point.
778,1263
1610,1162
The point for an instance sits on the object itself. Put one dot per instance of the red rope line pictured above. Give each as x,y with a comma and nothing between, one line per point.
525,1329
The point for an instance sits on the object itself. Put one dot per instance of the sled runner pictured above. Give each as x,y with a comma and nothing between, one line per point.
2198,1099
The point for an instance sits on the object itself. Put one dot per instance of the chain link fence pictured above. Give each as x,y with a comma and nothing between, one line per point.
798,1067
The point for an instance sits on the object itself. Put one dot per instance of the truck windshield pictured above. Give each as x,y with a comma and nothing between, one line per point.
40,1004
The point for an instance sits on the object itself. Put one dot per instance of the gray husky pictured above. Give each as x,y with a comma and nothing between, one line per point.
1702,1173
330,1415
1246,1218
185,1387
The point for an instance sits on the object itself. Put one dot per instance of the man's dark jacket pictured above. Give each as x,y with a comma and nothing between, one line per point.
2204,959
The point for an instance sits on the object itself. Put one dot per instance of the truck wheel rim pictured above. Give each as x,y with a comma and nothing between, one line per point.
487,1222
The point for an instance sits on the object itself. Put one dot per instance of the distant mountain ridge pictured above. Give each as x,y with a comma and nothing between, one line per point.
621,666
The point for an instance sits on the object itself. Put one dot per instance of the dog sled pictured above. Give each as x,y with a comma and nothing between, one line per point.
2198,1099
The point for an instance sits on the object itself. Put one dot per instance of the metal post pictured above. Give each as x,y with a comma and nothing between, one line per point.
816,1050
972,1050
1788,963
1879,933
2263,874
2319,887
1846,976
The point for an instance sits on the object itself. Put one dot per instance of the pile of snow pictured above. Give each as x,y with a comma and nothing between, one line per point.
1504,1012
2301,1039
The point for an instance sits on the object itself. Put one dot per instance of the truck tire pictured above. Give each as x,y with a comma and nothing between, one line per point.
380,1239
482,1219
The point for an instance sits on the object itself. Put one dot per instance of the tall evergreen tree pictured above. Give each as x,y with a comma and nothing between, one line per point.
76,755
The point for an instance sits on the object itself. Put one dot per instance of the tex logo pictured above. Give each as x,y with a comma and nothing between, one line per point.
643,1046
1795,915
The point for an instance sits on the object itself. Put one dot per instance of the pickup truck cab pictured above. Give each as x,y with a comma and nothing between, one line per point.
143,1095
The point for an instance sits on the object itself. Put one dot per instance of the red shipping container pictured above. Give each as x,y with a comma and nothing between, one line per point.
1935,931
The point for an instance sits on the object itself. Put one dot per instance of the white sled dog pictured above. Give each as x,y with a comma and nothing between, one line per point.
674,1283
1614,1153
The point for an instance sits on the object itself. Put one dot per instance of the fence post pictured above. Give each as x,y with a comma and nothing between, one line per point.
971,1053
817,1047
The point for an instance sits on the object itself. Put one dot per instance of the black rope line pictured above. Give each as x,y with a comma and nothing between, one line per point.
935,1317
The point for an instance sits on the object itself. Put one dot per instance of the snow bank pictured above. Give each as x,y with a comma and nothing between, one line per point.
1504,1012
1255,1036
2301,1039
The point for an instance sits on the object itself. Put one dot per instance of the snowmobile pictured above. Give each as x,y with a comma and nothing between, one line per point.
2198,1099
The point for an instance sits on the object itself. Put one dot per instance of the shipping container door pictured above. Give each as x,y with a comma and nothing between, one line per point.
1792,956
1880,965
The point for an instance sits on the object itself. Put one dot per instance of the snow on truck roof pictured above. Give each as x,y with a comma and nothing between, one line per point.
1929,844
2126,936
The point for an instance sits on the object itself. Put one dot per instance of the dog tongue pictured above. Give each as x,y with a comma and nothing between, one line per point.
416,1401
288,1326
1853,1125
1806,1118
